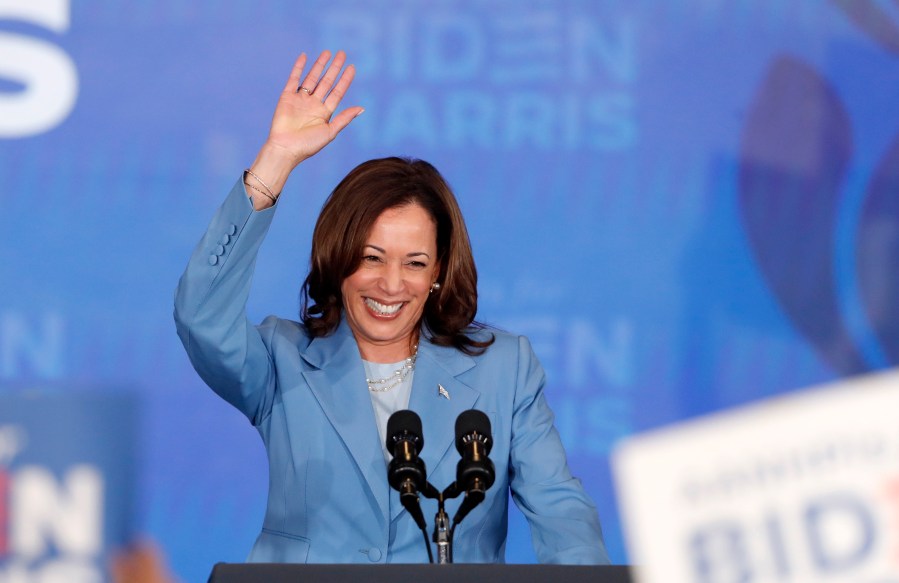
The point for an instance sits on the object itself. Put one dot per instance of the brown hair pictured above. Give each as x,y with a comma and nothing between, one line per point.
342,231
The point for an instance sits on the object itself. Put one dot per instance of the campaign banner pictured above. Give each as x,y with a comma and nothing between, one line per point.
800,488
66,483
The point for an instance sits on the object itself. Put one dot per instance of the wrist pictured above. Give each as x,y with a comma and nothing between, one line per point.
273,164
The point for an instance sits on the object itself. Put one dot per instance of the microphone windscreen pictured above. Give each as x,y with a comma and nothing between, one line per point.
404,422
472,421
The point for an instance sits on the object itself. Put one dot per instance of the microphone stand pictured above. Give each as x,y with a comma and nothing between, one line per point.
442,535
443,532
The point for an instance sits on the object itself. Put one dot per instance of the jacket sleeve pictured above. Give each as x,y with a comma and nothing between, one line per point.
226,349
564,522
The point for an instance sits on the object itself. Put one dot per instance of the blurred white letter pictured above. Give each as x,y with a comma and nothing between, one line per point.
69,514
46,71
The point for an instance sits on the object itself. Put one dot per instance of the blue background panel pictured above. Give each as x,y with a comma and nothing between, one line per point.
686,205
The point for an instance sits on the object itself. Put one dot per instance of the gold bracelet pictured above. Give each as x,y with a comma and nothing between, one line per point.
265,194
262,182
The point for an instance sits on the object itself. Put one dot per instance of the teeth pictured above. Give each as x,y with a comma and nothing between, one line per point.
383,309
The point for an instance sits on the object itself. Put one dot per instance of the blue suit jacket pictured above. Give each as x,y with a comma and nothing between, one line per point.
328,499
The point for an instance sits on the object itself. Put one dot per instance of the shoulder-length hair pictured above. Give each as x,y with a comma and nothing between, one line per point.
342,231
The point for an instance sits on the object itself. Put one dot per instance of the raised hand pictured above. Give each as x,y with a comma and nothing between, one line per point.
304,122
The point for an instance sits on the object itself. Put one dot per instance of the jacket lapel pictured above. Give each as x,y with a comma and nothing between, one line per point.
339,387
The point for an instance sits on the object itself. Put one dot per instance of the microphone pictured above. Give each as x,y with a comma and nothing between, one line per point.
406,472
475,472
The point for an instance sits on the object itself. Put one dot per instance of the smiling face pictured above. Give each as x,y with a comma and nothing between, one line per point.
384,298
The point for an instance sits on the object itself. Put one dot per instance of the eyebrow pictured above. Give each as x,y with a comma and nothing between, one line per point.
413,254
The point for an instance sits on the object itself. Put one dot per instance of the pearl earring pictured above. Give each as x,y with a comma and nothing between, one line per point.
434,286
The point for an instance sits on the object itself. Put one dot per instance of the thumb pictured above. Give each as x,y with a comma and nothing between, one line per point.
343,119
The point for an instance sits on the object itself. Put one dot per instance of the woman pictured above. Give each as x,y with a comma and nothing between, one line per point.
390,303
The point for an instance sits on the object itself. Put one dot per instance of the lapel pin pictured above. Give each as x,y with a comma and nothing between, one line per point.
442,392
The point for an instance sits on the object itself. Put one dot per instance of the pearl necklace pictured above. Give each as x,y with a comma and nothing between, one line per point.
398,376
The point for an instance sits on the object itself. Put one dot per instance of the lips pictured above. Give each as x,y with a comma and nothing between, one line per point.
383,310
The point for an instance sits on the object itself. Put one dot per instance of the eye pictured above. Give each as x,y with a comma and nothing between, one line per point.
371,259
417,264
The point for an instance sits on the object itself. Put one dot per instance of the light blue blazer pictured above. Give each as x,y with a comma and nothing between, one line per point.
328,500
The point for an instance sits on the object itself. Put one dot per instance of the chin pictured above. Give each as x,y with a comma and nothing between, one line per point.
387,333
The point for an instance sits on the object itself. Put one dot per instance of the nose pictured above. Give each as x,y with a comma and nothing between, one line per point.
392,278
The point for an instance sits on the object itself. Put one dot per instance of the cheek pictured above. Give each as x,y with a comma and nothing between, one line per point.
423,287
353,283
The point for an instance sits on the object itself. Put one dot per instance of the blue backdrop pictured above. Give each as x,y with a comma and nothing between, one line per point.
686,204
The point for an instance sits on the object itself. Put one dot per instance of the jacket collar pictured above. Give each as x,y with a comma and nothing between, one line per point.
338,385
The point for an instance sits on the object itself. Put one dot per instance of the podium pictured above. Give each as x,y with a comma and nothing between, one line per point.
454,573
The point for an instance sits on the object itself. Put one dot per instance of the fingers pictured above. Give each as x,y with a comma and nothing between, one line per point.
294,80
327,81
343,83
315,73
330,85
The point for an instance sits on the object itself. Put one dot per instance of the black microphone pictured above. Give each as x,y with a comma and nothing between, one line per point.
406,472
475,472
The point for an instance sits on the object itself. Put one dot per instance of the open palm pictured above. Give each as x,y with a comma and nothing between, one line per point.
304,120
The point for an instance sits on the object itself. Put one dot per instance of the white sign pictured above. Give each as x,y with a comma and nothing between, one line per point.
801,488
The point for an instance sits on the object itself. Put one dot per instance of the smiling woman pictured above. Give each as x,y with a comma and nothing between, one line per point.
385,297
390,237
388,323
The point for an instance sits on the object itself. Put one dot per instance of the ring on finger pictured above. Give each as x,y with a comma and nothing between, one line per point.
306,89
